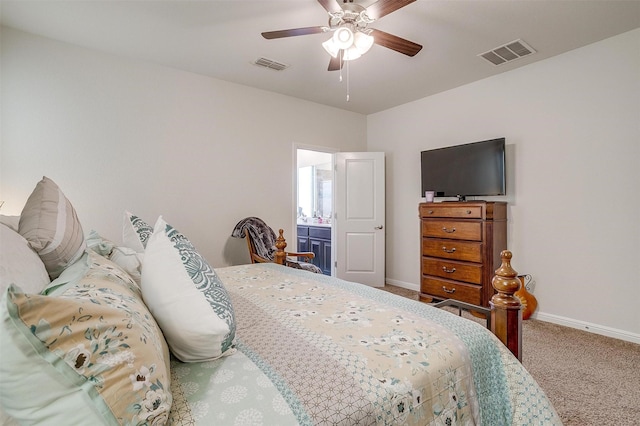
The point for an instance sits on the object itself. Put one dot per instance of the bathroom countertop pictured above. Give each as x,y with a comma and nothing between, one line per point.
310,223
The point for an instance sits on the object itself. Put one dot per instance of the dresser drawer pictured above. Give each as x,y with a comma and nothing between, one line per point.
444,210
459,271
457,230
452,249
446,289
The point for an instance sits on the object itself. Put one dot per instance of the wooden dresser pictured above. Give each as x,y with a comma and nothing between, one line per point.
461,245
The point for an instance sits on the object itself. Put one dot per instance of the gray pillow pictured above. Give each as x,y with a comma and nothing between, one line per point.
49,223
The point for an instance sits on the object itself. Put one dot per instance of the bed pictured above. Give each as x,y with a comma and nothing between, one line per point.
103,342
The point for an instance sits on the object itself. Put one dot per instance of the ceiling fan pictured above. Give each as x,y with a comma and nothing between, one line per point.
349,22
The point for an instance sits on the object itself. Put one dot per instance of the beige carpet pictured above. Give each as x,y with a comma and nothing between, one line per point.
590,379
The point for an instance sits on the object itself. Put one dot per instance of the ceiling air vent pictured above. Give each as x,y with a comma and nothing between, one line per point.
508,52
271,64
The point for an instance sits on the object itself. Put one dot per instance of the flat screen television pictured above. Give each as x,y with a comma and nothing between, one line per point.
473,169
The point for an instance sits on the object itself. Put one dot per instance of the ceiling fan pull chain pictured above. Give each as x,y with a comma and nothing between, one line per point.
341,65
348,81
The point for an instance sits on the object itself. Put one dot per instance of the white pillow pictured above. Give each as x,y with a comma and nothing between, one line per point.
12,222
19,264
135,232
186,297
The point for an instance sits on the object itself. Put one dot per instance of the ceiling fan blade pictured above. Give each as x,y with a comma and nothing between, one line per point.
294,32
396,43
385,7
330,6
335,63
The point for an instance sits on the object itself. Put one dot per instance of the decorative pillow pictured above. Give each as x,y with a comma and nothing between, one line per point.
98,244
186,297
19,264
129,260
50,224
91,353
126,258
135,232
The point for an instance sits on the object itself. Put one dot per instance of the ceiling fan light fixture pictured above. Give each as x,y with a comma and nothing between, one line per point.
351,38
351,53
343,38
362,42
331,47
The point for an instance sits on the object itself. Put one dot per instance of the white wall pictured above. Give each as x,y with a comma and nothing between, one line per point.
572,125
118,134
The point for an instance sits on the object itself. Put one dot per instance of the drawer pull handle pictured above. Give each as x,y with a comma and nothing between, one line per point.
446,250
430,211
468,211
448,271
447,290
448,231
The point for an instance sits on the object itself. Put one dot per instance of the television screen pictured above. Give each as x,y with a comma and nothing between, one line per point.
465,170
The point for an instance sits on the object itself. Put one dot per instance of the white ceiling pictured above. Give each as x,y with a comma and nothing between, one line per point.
222,39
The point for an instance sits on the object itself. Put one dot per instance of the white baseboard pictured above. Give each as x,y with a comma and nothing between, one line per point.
590,327
556,319
408,286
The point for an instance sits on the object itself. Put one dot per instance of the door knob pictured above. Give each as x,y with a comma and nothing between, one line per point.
378,227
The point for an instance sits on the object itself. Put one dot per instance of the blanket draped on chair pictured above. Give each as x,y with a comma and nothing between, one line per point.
264,242
263,237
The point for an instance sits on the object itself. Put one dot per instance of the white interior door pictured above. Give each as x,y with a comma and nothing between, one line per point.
360,217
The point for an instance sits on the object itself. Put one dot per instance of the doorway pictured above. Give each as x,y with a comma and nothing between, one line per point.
315,205
340,212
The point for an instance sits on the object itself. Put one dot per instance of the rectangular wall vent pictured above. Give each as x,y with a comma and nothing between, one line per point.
271,64
508,52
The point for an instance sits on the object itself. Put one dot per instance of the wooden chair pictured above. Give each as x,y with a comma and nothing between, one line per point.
262,245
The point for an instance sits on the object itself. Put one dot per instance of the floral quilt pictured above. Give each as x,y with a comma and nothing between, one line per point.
317,350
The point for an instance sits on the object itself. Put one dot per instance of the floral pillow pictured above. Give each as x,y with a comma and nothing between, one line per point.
89,352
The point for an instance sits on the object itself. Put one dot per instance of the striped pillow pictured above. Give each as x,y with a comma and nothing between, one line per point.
49,223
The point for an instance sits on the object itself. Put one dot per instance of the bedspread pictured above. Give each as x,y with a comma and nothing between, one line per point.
312,349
